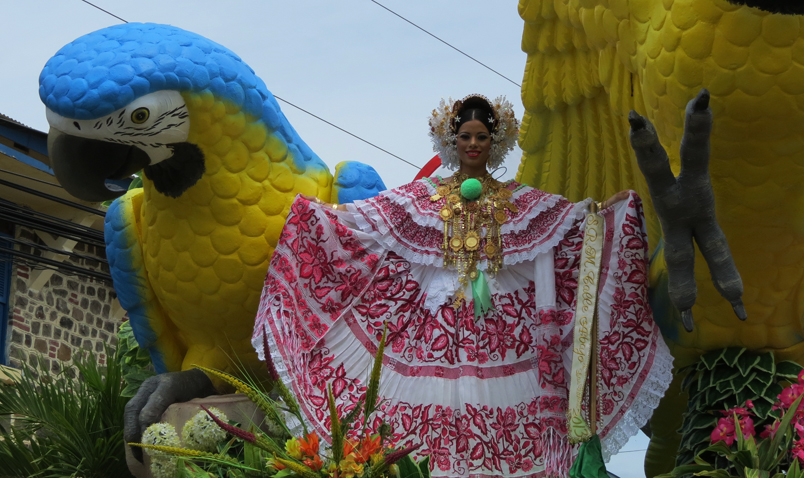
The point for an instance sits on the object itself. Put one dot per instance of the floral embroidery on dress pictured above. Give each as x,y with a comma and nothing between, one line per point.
486,397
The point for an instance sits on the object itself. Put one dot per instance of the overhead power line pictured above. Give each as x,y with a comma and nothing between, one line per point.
449,45
30,178
105,11
350,134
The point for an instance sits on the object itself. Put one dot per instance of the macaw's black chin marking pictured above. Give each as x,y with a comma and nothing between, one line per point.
786,7
178,173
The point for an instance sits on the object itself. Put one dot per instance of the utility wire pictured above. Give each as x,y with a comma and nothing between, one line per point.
350,134
105,11
338,127
57,199
299,108
45,248
444,42
28,177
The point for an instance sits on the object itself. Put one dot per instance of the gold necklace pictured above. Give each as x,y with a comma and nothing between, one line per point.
471,226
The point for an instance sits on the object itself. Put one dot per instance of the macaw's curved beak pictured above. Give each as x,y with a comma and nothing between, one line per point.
83,165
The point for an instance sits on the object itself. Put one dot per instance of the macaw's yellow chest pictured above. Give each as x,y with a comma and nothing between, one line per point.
206,256
207,251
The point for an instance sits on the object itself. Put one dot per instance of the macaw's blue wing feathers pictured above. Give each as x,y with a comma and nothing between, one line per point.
353,181
124,252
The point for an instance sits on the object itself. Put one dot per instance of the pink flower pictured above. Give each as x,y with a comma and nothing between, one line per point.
790,394
770,430
747,426
723,432
798,450
741,412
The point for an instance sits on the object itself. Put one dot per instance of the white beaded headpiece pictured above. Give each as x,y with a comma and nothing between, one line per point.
443,130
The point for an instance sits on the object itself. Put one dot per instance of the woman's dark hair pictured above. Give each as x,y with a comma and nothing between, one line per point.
474,108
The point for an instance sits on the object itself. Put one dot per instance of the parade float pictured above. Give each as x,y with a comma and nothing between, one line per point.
700,96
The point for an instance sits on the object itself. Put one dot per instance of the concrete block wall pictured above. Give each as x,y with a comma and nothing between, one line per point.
70,313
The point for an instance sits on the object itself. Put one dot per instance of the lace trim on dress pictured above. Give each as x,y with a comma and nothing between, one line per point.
657,382
543,221
643,406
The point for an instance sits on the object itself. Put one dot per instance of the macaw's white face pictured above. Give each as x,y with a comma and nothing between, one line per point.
151,123
148,134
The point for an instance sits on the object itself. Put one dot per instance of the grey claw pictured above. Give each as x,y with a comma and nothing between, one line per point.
701,101
686,319
739,309
637,122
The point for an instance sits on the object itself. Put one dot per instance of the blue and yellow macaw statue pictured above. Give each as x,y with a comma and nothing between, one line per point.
590,62
189,251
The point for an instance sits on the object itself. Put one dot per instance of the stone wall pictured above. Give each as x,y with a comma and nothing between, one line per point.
68,314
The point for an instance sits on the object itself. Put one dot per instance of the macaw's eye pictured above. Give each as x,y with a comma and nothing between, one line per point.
140,115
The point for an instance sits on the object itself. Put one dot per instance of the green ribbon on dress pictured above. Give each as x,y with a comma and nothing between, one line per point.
481,295
589,463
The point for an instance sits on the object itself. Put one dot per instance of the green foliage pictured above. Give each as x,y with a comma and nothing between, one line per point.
65,427
135,362
765,459
724,379
252,453
410,469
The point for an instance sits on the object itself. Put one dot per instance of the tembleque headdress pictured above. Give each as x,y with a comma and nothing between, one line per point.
444,128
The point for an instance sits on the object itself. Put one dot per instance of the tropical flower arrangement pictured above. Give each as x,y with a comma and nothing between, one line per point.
777,452
204,452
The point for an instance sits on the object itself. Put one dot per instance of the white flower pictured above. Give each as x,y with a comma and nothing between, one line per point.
203,434
163,465
163,434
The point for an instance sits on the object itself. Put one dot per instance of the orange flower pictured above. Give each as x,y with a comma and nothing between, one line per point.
348,447
274,463
368,446
309,446
314,463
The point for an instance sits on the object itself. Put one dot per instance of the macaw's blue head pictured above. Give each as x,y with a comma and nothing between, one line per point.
116,104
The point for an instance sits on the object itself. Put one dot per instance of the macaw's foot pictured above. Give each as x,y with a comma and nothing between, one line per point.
154,397
685,206
686,319
739,310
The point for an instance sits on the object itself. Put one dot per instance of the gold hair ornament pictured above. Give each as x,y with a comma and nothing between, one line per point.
443,133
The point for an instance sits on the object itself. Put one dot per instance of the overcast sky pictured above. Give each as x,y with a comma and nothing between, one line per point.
349,61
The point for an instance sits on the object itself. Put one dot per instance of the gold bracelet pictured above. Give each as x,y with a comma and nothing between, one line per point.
335,206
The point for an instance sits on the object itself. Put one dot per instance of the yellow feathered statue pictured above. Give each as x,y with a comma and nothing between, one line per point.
590,62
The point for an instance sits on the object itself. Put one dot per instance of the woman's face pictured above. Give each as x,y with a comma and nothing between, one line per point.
474,144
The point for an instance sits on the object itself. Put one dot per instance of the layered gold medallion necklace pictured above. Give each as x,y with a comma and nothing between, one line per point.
473,212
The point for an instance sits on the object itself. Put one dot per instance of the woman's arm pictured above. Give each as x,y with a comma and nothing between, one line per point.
622,195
